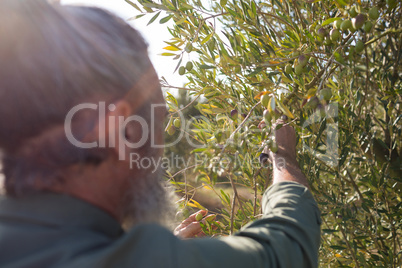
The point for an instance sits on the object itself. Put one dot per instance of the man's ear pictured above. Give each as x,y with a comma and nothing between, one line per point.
114,134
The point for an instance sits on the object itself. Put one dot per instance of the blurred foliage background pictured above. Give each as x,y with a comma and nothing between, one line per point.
334,68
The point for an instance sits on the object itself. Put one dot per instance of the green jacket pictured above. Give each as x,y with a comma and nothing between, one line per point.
51,230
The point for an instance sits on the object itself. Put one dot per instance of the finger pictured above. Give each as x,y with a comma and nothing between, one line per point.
192,217
190,231
189,220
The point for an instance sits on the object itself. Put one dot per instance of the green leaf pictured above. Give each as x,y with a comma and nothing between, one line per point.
199,150
178,64
172,48
185,7
226,197
337,247
133,5
172,98
174,3
157,6
342,2
168,54
154,18
254,8
361,67
165,19
284,109
182,20
329,231
206,39
136,17
207,111
329,21
205,67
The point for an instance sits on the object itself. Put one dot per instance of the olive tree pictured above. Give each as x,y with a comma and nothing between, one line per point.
333,68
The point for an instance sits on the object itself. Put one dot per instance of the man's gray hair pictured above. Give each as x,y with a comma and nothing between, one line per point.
53,58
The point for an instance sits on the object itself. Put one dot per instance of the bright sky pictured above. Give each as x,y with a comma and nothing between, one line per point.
155,34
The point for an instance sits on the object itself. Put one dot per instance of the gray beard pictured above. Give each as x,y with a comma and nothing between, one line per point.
150,201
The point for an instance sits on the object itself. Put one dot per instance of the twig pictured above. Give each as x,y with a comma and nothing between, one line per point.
255,191
233,207
367,80
383,34
240,126
185,107
184,88
352,181
277,18
185,187
330,61
203,22
349,247
236,194
184,169
266,21
394,234
300,17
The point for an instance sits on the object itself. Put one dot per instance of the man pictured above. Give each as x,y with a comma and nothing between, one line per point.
68,181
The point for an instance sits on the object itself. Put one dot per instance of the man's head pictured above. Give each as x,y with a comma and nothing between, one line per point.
53,59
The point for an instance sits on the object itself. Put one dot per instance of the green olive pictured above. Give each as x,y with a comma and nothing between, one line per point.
359,46
299,69
353,12
337,24
177,122
326,94
335,34
264,100
189,66
199,216
267,118
368,26
346,25
373,13
182,70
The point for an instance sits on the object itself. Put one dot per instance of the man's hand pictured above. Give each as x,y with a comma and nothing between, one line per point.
191,227
285,166
285,138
